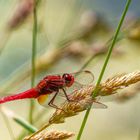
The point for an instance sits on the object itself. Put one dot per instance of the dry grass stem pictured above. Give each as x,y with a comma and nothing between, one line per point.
22,12
24,8
117,82
51,135
83,97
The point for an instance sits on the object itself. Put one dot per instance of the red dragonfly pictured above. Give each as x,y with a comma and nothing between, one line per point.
51,85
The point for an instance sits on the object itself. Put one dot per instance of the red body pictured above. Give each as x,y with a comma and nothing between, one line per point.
48,85
32,93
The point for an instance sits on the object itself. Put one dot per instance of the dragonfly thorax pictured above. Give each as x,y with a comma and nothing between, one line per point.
53,83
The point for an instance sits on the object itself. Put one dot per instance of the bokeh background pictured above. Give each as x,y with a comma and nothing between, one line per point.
69,33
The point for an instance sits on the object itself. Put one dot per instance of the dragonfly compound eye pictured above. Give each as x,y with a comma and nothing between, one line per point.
69,79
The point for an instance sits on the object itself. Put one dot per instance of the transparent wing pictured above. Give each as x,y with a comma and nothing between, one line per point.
110,98
98,105
80,79
84,77
71,89
45,99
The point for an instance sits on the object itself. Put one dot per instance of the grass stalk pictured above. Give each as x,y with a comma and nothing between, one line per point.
25,124
95,92
34,45
107,44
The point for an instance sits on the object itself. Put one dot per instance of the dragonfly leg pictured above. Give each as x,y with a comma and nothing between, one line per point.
51,103
69,100
67,97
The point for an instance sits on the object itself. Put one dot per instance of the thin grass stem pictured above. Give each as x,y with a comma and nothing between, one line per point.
98,54
95,92
34,45
25,124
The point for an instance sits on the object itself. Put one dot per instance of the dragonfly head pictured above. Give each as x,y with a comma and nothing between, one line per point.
68,78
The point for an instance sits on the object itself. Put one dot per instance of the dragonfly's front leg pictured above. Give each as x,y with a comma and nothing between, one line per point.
67,97
51,103
70,100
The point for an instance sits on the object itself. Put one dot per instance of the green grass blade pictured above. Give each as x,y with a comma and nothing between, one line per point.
104,67
25,124
10,114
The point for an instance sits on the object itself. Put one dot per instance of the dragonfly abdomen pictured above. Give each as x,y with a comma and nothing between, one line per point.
31,93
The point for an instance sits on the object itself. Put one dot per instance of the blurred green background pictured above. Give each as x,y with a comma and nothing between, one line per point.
63,20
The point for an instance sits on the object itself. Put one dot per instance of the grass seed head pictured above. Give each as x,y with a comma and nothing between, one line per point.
24,8
111,85
83,97
51,135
